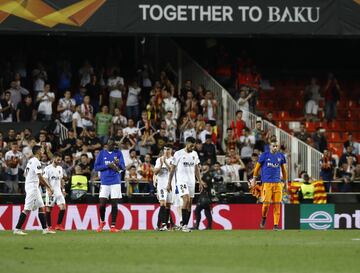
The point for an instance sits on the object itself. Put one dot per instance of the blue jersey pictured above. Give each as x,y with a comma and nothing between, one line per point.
107,175
270,166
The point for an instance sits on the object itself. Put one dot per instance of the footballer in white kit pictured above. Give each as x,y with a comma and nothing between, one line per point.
162,171
185,167
54,174
33,199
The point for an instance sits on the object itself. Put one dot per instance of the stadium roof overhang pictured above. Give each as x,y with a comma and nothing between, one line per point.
182,17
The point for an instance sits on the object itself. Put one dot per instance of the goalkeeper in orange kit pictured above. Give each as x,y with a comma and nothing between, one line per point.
270,164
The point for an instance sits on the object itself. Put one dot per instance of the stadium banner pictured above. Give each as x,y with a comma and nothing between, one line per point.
138,217
221,17
322,217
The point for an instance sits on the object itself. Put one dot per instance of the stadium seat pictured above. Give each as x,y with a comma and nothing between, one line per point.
352,126
333,137
310,126
284,115
336,148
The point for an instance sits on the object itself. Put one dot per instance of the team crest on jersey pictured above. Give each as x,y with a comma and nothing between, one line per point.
38,167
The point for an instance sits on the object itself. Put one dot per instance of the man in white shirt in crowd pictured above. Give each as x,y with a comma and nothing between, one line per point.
45,100
207,131
17,92
66,107
131,131
171,126
13,160
132,102
247,142
209,106
170,103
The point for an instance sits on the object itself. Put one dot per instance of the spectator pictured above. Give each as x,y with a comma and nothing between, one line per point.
84,164
43,141
45,100
209,150
17,92
116,93
302,134
200,123
269,118
207,131
84,151
327,166
92,140
191,105
187,128
312,97
146,142
257,131
118,121
184,91
320,139
68,165
115,80
200,151
103,124
170,103
132,179
3,143
93,89
247,143
243,102
200,92
238,124
332,96
6,108
260,144
357,172
27,149
348,155
68,145
146,171
171,126
350,142
77,125
231,141
85,73
145,123
209,106
13,160
2,170
231,171
26,110
39,76
132,102
66,107
87,113
160,141
251,166
131,131
345,173
11,136
79,96
133,160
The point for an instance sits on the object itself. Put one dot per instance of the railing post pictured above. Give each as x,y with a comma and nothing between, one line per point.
309,170
180,67
225,122
294,158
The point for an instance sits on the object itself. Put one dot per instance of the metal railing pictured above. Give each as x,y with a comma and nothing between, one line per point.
93,192
301,155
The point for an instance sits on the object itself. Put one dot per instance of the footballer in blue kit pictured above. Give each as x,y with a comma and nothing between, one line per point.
271,164
110,163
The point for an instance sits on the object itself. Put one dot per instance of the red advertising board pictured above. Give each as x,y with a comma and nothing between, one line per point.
139,217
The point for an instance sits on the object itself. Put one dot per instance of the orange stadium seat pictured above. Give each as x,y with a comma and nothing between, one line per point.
310,126
352,126
336,148
333,137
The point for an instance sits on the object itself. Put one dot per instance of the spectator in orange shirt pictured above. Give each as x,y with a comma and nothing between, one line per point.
238,124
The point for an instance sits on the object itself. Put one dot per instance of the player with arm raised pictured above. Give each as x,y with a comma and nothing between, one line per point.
185,166
272,164
162,171
33,199
110,163
54,174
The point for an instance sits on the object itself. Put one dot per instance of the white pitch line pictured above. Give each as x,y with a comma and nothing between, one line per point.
355,239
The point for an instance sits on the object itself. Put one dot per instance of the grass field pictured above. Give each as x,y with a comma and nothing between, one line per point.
202,251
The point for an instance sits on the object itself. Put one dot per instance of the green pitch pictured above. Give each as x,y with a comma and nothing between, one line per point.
172,252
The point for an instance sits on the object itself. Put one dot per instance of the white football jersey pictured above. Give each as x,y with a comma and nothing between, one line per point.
54,175
185,166
163,175
33,168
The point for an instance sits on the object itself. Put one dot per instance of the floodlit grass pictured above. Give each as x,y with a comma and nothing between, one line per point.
200,251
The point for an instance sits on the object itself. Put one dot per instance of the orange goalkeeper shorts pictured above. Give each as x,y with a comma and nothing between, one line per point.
272,193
